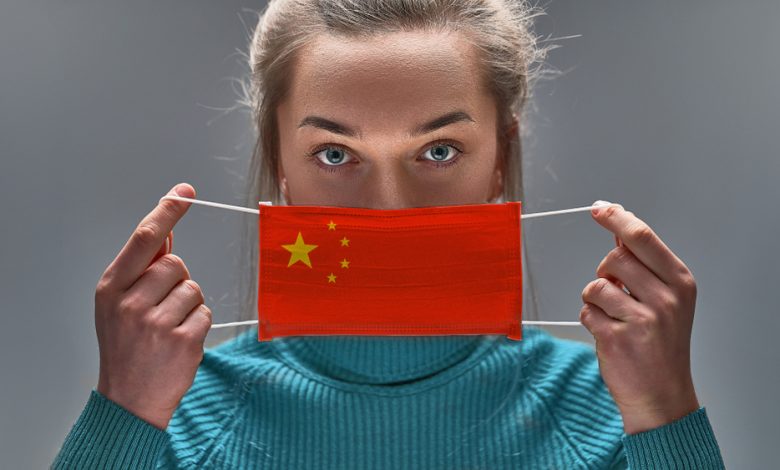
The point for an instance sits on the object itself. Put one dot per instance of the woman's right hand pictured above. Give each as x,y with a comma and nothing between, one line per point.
150,319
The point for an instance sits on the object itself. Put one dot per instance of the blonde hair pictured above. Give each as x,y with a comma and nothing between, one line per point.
510,59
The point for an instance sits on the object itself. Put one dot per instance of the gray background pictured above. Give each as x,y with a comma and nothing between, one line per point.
670,108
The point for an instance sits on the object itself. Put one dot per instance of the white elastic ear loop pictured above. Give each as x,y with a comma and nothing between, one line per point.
522,216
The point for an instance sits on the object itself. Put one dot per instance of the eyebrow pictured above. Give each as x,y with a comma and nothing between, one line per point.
430,126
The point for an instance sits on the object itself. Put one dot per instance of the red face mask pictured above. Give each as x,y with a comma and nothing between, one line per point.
439,270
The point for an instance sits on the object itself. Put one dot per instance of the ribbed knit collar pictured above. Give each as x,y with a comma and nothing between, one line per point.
379,359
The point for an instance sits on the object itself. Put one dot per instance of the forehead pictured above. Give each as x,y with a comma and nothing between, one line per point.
395,76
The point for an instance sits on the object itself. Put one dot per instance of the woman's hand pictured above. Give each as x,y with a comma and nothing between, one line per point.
643,335
150,319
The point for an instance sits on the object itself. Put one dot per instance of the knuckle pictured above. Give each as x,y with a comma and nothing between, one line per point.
206,312
194,334
191,285
598,286
192,288
618,255
585,314
172,262
688,282
645,324
103,288
640,232
601,268
102,285
181,335
130,304
644,319
594,288
172,266
189,335
169,208
622,254
668,302
151,322
586,291
610,210
147,233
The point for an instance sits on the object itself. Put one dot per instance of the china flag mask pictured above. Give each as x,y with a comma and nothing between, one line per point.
438,270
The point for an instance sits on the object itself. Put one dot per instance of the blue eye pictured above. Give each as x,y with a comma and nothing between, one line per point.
441,151
332,157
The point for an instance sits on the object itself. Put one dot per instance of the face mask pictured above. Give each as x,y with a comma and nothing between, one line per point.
438,270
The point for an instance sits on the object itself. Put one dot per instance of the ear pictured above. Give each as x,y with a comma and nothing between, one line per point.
497,186
283,187
511,132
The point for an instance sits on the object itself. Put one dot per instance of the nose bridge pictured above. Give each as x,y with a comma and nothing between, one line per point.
387,185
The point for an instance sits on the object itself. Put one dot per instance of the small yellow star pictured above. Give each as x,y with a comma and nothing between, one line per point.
332,278
331,225
344,263
299,251
344,241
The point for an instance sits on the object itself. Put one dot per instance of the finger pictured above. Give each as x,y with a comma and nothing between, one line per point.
149,235
618,242
185,296
197,324
166,248
642,241
624,266
157,281
614,301
596,320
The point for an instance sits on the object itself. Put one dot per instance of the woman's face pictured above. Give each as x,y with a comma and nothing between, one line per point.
396,121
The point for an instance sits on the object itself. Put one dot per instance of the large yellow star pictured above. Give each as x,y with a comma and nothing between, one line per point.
300,251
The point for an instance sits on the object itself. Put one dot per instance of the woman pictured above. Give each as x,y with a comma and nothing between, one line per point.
392,104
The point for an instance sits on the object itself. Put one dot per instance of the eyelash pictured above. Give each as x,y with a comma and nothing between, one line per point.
334,168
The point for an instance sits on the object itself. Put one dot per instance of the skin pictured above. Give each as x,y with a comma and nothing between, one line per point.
643,336
418,77
150,319
149,315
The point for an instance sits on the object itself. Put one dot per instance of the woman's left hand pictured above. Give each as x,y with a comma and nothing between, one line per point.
642,337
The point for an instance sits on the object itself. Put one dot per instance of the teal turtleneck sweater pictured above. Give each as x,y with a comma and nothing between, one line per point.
359,402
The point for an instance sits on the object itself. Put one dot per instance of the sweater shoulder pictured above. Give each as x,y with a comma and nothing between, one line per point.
564,376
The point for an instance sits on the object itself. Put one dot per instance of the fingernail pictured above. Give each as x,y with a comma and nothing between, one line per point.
599,203
176,190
